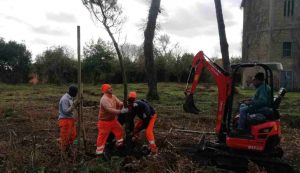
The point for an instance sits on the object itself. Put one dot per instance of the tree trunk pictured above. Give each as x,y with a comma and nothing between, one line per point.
222,35
120,57
148,50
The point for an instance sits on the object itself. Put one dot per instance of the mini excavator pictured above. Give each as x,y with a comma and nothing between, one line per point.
233,150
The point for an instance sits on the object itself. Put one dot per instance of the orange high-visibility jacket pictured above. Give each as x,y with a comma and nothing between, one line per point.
109,107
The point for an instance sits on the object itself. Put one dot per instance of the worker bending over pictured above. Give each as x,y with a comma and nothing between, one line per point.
66,119
110,108
147,116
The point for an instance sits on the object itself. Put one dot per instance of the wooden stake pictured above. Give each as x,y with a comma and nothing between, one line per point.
80,126
79,97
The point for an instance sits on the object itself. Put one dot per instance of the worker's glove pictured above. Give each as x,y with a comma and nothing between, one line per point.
135,105
124,110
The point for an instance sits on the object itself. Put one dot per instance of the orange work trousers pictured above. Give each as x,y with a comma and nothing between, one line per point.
149,131
104,129
67,132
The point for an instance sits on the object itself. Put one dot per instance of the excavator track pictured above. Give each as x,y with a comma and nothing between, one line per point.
237,161
240,162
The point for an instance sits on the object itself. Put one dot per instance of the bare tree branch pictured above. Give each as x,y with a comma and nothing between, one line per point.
110,15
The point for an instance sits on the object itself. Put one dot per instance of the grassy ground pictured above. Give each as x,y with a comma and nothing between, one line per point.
29,131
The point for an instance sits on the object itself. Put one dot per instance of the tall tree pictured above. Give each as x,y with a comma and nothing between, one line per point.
109,13
222,35
56,66
148,50
182,66
98,61
15,62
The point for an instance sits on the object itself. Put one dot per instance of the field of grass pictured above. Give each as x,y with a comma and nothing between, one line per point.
29,130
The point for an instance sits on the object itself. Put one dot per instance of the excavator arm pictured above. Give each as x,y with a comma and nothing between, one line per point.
223,81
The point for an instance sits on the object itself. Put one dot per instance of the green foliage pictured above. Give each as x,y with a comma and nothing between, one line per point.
160,64
15,62
171,68
133,62
56,66
99,62
183,65
101,65
172,64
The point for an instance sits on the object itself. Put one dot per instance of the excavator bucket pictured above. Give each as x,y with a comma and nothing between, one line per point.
189,105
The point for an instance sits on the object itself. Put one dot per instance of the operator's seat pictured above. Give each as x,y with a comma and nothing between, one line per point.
267,114
261,116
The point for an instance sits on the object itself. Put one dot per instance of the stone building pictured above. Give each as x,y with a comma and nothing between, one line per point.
271,33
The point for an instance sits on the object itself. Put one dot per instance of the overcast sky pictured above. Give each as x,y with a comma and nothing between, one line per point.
41,24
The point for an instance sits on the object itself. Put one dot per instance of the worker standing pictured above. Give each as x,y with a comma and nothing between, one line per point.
147,117
110,108
66,119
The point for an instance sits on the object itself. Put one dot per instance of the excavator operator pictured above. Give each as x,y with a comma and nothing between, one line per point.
258,103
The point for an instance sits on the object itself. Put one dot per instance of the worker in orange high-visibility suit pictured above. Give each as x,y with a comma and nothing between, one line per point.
110,108
66,120
147,117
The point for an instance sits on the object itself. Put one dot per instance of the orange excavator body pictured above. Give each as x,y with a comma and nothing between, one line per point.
260,133
223,81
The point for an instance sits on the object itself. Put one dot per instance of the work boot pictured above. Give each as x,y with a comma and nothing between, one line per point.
153,149
103,157
100,157
121,150
145,150
99,151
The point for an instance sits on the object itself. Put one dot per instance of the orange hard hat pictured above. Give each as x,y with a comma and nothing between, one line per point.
105,87
132,94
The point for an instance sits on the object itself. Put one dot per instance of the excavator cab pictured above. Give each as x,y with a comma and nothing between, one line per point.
266,113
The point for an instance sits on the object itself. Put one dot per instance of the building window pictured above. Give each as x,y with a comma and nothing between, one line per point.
287,49
288,9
